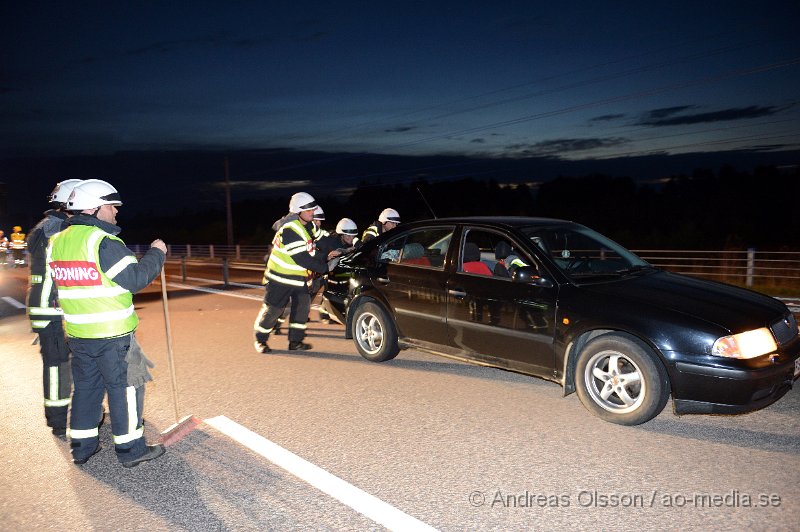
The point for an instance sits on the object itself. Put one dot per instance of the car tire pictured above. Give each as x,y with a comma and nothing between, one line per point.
619,379
374,333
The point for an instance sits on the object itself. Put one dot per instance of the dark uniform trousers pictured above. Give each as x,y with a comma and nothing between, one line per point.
56,374
99,366
276,297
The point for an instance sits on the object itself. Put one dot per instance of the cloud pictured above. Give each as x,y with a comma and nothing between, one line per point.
734,113
400,129
265,185
667,111
557,146
606,118
477,141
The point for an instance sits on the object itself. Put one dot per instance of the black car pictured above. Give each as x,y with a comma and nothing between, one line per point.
557,300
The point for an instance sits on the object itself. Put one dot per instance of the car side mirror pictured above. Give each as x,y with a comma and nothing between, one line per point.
530,275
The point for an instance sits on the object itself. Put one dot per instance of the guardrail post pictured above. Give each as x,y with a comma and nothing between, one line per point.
183,269
169,250
211,251
238,252
189,250
751,266
225,272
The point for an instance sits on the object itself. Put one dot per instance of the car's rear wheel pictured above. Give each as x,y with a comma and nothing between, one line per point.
374,333
620,380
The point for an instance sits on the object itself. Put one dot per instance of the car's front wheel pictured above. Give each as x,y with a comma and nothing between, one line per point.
619,379
374,333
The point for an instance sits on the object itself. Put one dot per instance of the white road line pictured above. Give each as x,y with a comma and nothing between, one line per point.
361,501
218,281
13,302
215,291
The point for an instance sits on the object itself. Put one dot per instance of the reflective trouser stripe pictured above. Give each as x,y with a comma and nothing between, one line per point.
297,325
133,419
257,324
82,434
53,398
40,324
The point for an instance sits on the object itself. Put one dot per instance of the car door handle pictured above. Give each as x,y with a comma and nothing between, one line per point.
457,293
383,280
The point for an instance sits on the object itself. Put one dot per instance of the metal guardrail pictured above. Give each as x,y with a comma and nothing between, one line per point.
742,267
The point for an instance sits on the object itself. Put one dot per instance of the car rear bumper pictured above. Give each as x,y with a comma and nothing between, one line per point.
702,389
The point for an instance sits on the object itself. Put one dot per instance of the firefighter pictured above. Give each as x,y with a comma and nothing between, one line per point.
44,314
18,246
507,260
292,260
387,220
3,248
96,277
344,239
319,217
338,243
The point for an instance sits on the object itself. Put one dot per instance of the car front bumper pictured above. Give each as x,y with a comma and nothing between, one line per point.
699,388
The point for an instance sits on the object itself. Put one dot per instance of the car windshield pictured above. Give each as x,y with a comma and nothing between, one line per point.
583,254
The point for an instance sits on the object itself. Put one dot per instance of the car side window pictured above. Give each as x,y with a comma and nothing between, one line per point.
425,248
491,254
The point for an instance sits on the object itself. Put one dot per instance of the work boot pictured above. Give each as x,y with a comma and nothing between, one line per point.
261,347
152,452
81,461
59,431
299,346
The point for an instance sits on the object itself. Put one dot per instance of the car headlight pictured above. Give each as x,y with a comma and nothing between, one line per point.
748,344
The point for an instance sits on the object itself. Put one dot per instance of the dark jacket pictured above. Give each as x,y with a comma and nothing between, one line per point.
53,222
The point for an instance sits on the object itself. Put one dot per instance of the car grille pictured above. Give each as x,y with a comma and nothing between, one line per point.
784,329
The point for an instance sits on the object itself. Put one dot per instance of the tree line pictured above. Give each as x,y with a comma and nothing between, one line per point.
724,209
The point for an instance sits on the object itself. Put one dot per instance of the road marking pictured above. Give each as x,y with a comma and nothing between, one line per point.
357,499
217,281
215,291
13,302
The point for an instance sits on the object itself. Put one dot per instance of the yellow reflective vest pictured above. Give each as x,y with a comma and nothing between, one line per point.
290,239
94,305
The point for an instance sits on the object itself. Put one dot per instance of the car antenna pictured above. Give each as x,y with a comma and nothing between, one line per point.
426,203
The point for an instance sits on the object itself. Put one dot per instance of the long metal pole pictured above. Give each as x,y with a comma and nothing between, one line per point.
170,359
228,209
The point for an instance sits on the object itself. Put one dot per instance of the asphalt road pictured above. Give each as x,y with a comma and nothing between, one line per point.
446,444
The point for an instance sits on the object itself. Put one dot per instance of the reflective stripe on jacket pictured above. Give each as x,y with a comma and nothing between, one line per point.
41,298
372,231
290,239
94,305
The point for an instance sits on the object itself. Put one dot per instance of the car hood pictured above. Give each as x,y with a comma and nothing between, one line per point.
729,307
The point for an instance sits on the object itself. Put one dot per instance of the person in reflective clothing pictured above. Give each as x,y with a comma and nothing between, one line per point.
18,245
387,220
44,314
291,262
96,277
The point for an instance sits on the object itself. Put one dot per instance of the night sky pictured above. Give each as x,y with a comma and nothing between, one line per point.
595,84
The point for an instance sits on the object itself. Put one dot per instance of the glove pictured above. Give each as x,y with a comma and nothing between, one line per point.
138,374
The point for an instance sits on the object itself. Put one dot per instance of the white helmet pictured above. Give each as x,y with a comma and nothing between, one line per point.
389,215
302,202
346,226
319,214
91,194
61,193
